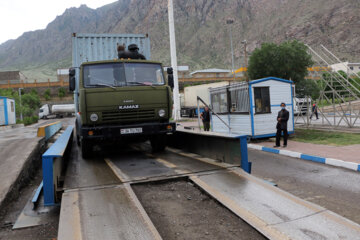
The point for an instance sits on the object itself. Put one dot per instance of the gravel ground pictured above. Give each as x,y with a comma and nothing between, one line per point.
179,210
10,212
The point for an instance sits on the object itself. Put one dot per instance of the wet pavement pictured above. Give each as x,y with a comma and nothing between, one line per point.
330,187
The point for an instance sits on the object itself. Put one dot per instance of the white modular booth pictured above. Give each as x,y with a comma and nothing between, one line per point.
7,111
251,108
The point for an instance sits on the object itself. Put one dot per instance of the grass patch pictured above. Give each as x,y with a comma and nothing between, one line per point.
326,138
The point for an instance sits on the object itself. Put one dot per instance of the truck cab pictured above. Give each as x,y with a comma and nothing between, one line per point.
44,111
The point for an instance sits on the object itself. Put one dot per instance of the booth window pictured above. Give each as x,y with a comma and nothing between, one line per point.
262,100
240,101
219,102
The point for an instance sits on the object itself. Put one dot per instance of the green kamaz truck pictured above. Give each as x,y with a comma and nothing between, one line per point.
120,95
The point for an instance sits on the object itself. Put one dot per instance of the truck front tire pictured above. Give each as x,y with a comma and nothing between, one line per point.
158,143
86,149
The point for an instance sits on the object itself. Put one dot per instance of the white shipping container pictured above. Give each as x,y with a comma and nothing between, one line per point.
7,111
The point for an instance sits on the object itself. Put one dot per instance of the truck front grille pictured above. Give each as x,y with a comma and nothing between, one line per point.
128,115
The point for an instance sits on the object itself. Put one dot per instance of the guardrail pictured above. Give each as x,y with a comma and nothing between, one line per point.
49,130
227,148
53,161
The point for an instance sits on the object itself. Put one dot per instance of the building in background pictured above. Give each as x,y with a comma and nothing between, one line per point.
12,77
183,71
63,75
210,73
348,68
354,68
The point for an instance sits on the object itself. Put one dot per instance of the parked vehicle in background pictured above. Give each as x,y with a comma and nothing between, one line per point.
189,98
302,105
57,110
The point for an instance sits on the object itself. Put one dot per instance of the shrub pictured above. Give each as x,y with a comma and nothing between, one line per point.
47,95
61,92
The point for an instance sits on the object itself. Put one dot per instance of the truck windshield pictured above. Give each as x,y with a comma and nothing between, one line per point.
123,74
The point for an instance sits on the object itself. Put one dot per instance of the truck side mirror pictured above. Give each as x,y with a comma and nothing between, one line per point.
72,79
170,77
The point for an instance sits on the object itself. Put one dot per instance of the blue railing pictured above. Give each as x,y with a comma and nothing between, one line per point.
51,173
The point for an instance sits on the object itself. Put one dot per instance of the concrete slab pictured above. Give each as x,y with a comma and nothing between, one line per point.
82,173
30,217
275,213
114,210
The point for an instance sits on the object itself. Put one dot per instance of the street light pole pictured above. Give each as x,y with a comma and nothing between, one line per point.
229,22
174,60
21,115
246,61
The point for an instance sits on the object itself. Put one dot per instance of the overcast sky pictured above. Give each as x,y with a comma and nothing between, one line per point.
19,16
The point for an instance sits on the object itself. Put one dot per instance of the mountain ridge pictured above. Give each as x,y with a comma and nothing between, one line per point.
201,32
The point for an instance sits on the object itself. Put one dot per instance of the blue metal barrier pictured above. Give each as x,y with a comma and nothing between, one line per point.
52,129
228,148
57,150
245,164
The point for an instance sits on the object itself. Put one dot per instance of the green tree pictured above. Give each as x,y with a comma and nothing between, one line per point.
47,95
34,91
30,103
288,60
61,92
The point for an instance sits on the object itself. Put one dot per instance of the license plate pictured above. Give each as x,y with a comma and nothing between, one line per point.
130,130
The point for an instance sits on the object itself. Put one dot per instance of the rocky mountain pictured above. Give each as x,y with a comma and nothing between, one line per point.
202,34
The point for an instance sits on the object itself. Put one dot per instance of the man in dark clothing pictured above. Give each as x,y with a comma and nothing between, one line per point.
281,126
314,110
205,116
132,53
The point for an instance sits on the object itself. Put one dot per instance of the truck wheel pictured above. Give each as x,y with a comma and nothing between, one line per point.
86,149
158,143
78,140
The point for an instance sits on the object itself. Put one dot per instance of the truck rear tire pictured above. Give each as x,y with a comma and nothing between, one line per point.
158,143
78,140
86,149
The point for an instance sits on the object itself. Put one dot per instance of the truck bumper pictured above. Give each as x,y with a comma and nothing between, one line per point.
120,132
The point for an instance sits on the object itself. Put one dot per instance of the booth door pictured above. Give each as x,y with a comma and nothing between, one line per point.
11,111
2,112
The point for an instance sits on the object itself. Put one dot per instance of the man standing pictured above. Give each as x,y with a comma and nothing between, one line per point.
281,126
314,110
205,116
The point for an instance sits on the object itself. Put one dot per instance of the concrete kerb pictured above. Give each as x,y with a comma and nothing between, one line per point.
4,128
328,161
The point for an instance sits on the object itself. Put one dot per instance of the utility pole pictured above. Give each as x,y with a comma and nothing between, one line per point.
174,60
229,22
21,115
246,61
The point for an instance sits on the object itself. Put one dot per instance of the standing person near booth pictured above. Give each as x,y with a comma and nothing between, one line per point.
314,111
205,116
281,126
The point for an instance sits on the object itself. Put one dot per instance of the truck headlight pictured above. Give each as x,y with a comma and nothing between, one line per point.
162,113
94,117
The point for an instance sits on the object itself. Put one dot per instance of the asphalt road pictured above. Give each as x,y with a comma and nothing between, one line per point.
334,188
